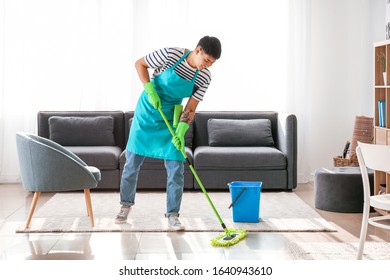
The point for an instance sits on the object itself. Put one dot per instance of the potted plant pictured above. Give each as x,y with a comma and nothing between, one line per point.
382,60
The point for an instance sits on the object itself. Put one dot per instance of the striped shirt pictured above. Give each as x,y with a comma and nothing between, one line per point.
165,58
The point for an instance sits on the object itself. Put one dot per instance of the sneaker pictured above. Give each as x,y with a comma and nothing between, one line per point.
121,218
174,223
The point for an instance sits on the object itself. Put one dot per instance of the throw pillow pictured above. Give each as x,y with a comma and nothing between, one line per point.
82,131
233,132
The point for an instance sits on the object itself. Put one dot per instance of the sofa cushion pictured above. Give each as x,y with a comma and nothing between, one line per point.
231,132
82,131
239,158
102,157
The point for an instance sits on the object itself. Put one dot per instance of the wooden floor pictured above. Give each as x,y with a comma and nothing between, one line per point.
15,203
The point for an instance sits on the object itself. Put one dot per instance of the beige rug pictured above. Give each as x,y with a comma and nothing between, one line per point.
279,212
338,251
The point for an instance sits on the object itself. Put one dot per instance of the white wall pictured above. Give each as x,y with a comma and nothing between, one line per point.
340,73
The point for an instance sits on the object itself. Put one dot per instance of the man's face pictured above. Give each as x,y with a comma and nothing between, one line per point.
203,60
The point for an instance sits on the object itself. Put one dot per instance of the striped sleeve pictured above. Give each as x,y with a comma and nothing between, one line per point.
202,83
157,59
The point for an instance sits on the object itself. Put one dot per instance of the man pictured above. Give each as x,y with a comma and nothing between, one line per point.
178,73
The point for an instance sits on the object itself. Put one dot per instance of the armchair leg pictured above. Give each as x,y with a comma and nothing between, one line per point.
88,202
32,208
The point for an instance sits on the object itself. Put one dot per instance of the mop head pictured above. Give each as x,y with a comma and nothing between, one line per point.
229,238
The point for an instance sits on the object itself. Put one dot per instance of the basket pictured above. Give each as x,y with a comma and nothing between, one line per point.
339,161
362,132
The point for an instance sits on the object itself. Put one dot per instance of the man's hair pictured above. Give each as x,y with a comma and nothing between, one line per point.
211,46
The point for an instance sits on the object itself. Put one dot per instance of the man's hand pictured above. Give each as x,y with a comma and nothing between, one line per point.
153,97
178,139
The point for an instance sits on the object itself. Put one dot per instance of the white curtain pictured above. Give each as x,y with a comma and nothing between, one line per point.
1,88
79,55
60,55
251,73
300,56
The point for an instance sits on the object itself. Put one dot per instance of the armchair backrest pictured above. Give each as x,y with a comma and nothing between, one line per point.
48,167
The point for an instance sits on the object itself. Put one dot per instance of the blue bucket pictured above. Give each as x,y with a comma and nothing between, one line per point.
245,201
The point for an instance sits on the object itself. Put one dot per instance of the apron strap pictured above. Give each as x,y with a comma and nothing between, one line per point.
196,74
180,60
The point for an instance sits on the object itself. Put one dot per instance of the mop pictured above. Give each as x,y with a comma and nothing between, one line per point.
230,235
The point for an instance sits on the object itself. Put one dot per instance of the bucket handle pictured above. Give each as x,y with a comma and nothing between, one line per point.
238,196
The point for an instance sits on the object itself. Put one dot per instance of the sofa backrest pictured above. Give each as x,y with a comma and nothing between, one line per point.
117,116
202,117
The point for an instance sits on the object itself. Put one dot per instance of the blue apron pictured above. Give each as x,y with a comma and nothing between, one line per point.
149,135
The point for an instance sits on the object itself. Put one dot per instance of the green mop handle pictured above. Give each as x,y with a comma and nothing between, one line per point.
194,172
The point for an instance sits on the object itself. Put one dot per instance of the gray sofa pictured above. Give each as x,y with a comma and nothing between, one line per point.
222,146
251,156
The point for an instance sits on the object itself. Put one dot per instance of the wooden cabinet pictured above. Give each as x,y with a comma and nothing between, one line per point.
382,109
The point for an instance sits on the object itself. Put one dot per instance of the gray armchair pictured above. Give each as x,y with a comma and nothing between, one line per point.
46,166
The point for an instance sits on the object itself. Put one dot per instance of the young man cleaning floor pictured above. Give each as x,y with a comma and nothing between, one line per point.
178,74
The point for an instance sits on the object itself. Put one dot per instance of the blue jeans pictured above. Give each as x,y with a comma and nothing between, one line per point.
175,182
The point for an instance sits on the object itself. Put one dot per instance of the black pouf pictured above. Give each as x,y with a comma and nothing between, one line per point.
340,189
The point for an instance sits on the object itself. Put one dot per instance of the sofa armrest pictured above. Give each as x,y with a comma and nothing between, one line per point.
287,143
